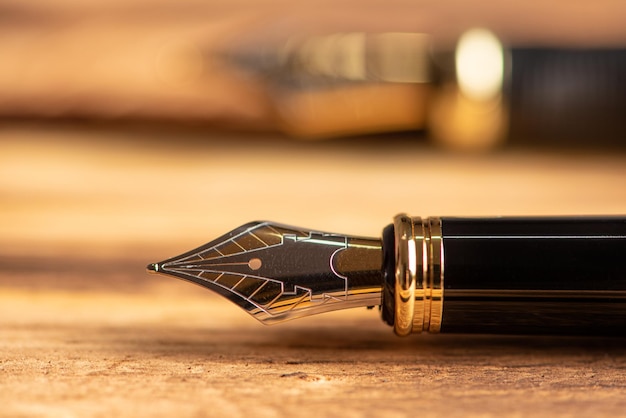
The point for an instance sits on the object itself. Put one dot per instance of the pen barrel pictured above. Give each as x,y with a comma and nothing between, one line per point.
534,276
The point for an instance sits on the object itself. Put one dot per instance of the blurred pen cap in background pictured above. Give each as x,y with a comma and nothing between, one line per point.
343,84
470,97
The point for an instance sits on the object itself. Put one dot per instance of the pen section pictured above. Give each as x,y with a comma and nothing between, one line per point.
535,276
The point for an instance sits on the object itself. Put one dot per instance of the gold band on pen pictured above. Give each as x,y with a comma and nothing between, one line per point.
419,275
406,272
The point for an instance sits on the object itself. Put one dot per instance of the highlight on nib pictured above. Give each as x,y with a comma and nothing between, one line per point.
277,272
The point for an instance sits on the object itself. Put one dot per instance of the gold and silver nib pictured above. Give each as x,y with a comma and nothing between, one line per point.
277,272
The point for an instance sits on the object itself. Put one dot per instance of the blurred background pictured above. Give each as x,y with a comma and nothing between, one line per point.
130,130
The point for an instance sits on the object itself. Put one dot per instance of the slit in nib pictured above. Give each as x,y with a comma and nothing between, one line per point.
153,267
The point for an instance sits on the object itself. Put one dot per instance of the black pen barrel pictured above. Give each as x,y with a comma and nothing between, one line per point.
534,276
550,275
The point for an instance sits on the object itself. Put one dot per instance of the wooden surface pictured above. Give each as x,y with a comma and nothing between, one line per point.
84,331
168,353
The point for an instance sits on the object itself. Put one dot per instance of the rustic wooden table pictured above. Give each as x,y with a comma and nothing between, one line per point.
85,332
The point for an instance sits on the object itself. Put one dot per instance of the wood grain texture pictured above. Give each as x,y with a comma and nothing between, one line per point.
151,354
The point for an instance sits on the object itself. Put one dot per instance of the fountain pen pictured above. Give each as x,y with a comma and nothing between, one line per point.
504,275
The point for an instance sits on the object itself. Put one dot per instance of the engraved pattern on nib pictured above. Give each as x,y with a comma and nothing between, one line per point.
274,272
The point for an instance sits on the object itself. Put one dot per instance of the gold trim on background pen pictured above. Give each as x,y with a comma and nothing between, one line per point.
419,275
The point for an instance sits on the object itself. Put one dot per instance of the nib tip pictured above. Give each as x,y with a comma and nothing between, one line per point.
153,267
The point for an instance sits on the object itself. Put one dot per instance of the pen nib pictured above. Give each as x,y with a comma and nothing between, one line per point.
277,272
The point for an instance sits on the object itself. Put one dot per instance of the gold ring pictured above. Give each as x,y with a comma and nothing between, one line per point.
419,275
405,275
